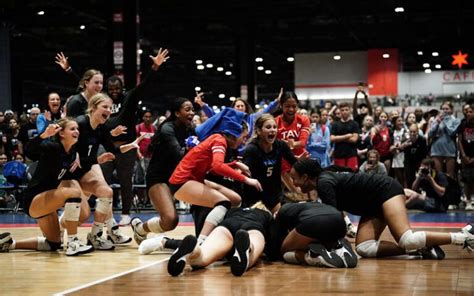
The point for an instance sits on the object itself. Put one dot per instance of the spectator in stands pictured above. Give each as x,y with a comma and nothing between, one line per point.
13,143
380,135
428,190
344,134
373,165
415,151
397,148
364,144
359,112
442,133
3,124
144,155
318,142
51,114
28,130
466,151
377,111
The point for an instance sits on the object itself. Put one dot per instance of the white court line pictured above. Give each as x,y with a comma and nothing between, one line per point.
108,278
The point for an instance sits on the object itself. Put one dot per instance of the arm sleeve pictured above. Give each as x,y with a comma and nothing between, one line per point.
323,145
33,148
106,140
287,154
169,139
272,107
219,167
208,110
305,131
452,126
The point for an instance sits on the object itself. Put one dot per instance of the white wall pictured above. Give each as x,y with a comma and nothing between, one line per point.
436,82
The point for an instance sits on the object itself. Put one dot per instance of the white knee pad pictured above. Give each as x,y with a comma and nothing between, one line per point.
368,248
412,241
72,210
154,225
216,215
103,205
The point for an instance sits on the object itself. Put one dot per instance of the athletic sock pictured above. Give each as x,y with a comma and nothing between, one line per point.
457,238
97,227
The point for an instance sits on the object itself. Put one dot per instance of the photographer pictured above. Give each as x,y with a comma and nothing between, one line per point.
429,189
373,164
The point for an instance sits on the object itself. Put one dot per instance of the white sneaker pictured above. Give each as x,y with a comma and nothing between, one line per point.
351,230
5,242
76,247
468,230
98,242
117,237
125,220
154,244
469,206
139,238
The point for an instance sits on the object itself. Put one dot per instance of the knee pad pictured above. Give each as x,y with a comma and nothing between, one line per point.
72,209
368,248
412,241
154,225
103,205
46,245
217,214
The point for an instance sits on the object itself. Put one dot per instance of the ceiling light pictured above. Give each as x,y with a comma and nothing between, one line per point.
385,56
435,53
200,67
232,99
41,12
426,65
428,71
260,68
290,59
438,66
209,65
197,88
82,27
259,60
337,57
140,51
198,62
419,52
399,9
228,73
221,96
268,72
220,69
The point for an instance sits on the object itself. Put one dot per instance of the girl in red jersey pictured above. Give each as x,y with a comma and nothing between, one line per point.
294,129
380,135
188,184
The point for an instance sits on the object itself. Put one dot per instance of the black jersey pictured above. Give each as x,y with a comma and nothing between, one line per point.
76,106
89,141
357,193
52,166
266,168
169,148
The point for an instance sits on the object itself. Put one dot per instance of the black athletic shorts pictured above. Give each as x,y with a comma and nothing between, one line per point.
319,221
247,219
394,189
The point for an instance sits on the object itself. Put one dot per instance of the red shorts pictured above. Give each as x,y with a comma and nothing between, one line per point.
350,162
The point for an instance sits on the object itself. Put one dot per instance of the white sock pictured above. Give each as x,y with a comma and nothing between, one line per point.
97,227
457,238
290,257
154,225
13,245
348,221
71,237
110,224
201,239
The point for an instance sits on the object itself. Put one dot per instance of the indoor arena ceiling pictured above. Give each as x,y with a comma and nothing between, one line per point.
210,30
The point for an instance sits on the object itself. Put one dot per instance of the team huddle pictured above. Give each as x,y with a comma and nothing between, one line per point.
236,169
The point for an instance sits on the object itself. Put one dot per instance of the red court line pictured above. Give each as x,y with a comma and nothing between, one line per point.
24,225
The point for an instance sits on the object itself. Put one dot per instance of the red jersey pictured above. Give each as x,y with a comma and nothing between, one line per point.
142,129
381,142
298,130
206,157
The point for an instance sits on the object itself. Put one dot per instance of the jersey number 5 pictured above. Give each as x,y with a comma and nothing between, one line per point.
269,171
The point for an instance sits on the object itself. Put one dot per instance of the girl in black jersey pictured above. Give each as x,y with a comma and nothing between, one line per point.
168,148
43,198
313,233
380,201
263,155
245,230
92,134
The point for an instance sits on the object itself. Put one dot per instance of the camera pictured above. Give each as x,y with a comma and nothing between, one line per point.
425,171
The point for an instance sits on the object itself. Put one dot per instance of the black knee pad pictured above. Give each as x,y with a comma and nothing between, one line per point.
225,203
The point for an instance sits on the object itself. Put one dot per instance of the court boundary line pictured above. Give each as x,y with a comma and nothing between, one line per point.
108,278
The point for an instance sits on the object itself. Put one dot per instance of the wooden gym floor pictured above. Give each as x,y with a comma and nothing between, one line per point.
125,272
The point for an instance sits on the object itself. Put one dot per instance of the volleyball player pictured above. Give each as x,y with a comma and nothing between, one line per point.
43,198
263,155
380,201
245,230
168,148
